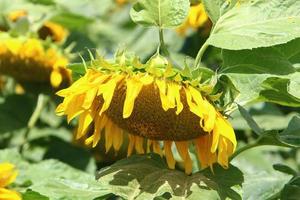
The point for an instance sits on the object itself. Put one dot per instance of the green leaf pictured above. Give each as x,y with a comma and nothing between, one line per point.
250,121
275,89
54,179
32,195
147,177
257,23
161,13
291,135
285,169
260,179
216,8
291,190
265,74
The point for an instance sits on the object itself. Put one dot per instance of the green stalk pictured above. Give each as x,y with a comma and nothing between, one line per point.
200,54
34,118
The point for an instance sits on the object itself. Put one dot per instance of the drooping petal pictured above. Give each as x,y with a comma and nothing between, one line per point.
169,154
107,91
162,86
85,120
174,96
183,151
134,87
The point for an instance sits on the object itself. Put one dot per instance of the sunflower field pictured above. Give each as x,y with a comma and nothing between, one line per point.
149,99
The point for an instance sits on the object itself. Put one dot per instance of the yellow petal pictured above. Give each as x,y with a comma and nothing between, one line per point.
74,107
133,89
13,45
169,154
183,151
107,91
8,174
85,120
108,136
139,145
6,194
117,137
209,117
131,145
174,94
162,86
55,78
89,98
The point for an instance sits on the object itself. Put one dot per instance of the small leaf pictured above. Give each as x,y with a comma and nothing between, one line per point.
161,13
291,135
32,195
250,121
285,169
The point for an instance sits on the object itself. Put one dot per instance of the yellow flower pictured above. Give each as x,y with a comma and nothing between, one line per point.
28,60
17,14
49,29
53,30
197,18
153,111
8,175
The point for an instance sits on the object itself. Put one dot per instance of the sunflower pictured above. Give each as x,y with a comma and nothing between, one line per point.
197,18
32,60
154,105
49,29
7,175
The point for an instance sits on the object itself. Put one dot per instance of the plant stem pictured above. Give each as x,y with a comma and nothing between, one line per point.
200,54
244,148
34,118
162,46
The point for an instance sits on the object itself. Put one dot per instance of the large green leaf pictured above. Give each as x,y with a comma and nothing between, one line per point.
261,181
54,179
257,23
216,8
268,74
161,13
147,177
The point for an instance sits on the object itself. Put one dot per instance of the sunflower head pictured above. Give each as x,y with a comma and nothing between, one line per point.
32,60
154,105
8,175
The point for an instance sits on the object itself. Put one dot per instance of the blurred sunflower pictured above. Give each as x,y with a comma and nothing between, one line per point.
154,104
32,60
8,175
197,18
121,2
49,29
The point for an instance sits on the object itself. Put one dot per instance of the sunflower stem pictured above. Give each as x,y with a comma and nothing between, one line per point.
162,46
244,148
33,119
200,54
